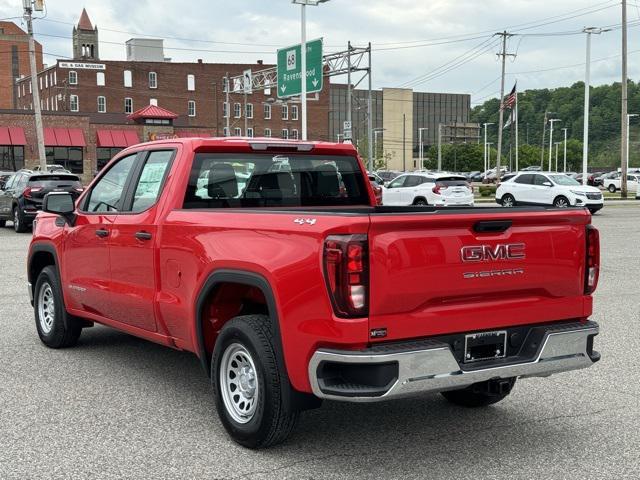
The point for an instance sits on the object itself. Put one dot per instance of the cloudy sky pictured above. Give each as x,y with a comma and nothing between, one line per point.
436,45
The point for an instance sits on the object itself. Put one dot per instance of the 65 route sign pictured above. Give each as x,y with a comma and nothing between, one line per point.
290,67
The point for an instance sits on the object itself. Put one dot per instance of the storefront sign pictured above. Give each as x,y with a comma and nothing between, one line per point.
82,66
161,136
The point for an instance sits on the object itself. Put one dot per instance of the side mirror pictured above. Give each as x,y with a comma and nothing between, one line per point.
547,184
60,203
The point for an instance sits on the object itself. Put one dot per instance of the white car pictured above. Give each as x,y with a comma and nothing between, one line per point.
437,189
549,188
614,184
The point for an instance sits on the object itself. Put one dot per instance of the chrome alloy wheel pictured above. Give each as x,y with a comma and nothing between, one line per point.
561,203
46,308
239,383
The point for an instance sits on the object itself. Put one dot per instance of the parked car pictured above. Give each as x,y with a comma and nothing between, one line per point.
22,195
591,178
377,184
507,176
597,179
52,167
477,177
614,184
552,189
4,176
337,300
374,177
491,176
532,168
438,189
470,175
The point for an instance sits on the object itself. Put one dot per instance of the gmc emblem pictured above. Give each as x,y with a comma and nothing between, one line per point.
487,253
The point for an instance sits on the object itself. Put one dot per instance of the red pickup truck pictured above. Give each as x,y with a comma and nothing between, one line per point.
271,261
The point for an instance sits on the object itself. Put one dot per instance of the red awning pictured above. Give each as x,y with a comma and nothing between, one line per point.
117,138
64,137
5,139
17,136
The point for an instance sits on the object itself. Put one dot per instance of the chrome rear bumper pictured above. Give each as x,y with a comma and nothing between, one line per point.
430,365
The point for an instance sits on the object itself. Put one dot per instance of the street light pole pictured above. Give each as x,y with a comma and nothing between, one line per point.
565,150
557,144
485,146
439,147
551,122
421,149
303,60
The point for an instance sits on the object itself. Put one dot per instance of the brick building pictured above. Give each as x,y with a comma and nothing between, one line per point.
14,61
96,95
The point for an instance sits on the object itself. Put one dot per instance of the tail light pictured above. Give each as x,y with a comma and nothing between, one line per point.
29,190
346,269
592,267
437,188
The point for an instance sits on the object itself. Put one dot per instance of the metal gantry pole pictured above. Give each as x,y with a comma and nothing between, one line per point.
42,157
349,93
303,69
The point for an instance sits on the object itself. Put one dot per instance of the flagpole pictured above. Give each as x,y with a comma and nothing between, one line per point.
516,127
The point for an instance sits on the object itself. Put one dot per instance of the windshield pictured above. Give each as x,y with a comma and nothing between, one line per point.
264,180
564,180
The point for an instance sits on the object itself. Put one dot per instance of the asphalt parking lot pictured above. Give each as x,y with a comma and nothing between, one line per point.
119,407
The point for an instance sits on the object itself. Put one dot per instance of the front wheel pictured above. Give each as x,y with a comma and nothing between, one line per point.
612,188
508,201
19,222
250,385
481,394
55,327
561,202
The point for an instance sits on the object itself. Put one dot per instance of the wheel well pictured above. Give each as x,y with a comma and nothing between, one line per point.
416,199
562,196
39,260
225,301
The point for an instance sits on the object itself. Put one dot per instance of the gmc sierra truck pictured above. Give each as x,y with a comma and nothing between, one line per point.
271,261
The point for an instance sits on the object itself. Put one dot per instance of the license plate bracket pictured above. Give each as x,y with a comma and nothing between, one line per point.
485,346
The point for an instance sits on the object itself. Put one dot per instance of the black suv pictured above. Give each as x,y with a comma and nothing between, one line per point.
21,196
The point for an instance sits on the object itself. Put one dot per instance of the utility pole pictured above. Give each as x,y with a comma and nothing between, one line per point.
624,146
42,156
486,163
504,55
370,116
565,150
226,82
349,98
404,142
439,147
551,122
544,134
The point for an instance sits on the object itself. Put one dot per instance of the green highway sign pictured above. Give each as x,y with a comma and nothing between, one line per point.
290,67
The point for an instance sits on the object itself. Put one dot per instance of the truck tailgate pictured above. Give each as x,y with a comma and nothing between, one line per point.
425,280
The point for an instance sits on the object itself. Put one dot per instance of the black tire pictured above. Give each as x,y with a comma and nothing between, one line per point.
272,419
508,200
420,202
561,202
612,188
61,330
478,395
19,221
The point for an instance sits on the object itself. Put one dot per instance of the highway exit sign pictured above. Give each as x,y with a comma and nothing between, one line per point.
290,68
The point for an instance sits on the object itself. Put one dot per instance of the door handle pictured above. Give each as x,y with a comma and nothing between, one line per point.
142,235
102,233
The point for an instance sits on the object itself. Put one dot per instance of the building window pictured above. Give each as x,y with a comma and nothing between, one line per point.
11,157
294,112
128,79
153,80
73,77
40,83
69,157
191,108
267,87
225,131
225,84
191,82
153,101
128,105
267,112
285,112
30,88
249,112
237,132
285,133
225,109
267,132
100,79
250,132
294,134
46,81
103,155
55,78
102,104
237,110
74,103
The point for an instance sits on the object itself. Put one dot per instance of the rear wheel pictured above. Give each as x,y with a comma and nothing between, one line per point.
420,202
19,222
481,394
508,200
250,385
55,327
612,188
561,202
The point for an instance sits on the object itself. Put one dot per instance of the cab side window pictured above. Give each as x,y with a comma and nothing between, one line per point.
413,181
151,180
526,179
108,194
540,180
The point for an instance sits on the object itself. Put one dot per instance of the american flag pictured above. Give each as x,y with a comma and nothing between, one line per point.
510,100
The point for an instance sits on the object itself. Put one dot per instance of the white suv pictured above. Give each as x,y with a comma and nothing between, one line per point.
614,184
556,189
437,189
